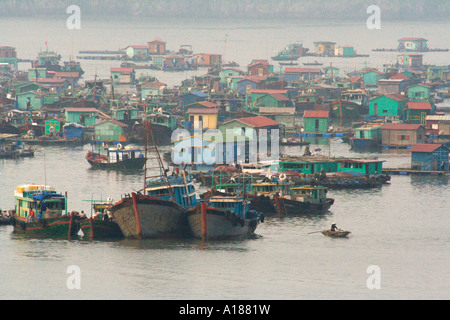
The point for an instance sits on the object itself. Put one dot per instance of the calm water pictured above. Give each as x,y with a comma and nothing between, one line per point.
401,227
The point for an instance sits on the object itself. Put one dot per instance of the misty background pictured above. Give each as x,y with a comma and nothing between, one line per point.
241,9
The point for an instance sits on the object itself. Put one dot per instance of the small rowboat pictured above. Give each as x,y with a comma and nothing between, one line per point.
336,234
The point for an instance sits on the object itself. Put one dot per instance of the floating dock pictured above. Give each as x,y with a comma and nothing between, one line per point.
407,172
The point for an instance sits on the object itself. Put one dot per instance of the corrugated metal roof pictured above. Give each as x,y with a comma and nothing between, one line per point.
302,70
425,147
203,110
122,70
438,118
419,105
401,126
258,122
316,114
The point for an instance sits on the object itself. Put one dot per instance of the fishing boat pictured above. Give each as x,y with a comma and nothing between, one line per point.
117,158
292,63
100,225
336,234
157,210
260,191
293,142
41,211
343,109
5,218
315,63
15,149
303,199
224,217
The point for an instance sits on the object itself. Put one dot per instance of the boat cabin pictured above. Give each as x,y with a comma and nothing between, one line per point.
309,193
234,204
121,154
41,199
183,191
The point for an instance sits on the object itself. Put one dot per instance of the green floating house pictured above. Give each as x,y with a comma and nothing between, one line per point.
110,131
417,112
56,124
316,121
84,116
419,92
317,164
388,105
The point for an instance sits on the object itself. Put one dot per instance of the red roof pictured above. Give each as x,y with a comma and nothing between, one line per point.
122,70
399,126
400,76
316,114
397,97
67,75
258,122
257,61
279,97
303,70
253,79
419,105
203,110
425,147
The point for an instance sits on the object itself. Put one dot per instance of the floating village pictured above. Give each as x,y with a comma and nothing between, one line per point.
49,102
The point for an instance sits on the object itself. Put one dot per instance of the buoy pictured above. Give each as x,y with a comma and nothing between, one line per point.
119,146
282,177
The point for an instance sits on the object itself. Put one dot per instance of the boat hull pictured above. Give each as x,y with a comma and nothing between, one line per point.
262,204
98,229
287,206
144,217
220,225
364,144
336,234
345,109
136,163
66,226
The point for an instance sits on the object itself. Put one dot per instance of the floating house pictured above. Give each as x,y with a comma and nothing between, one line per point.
296,74
124,114
325,48
436,72
258,69
152,89
412,44
391,86
262,62
388,105
317,164
239,126
225,74
203,118
419,92
209,59
157,47
316,121
192,97
430,157
345,51
9,55
417,112
402,135
83,116
137,52
110,131
123,75
367,137
371,77
31,100
410,60
250,83
439,124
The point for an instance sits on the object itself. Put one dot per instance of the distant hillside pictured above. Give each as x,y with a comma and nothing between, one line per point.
258,9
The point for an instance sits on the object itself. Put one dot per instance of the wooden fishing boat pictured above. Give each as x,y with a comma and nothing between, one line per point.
5,218
42,212
336,234
15,149
223,217
315,63
161,211
345,109
144,217
100,225
303,200
117,158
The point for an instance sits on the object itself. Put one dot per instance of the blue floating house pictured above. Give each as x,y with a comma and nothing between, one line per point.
430,157
193,97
